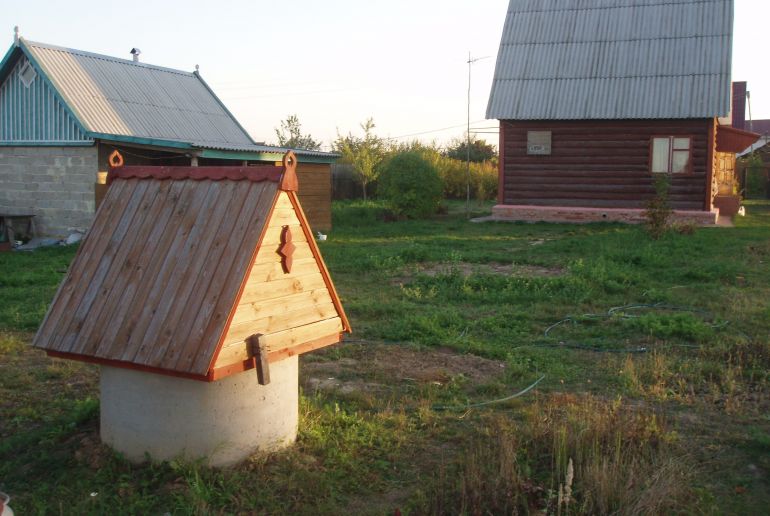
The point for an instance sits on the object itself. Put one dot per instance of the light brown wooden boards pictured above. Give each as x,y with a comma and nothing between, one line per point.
273,301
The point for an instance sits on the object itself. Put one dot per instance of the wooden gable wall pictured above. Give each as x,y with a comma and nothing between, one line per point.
297,306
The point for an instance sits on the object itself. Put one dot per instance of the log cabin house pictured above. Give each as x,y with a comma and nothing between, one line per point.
597,97
64,111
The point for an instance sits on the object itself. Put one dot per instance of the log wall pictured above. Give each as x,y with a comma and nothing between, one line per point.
600,163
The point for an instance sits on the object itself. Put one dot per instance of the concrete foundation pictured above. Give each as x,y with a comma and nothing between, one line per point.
510,212
223,422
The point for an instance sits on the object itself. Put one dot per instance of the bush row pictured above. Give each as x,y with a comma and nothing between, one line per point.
414,181
454,176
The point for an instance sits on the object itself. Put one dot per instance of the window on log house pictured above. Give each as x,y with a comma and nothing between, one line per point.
539,143
670,154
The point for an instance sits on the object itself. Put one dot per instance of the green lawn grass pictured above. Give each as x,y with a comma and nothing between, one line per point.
655,381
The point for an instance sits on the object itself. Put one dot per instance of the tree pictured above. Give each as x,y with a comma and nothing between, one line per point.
480,150
290,135
365,154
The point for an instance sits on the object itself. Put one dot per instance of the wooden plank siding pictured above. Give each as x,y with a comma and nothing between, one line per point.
600,163
315,194
154,279
273,301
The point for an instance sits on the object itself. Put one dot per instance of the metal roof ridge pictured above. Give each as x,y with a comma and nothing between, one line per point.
628,3
198,76
604,77
611,40
105,57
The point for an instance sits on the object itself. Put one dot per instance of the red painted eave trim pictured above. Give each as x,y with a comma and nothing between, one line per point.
128,365
730,139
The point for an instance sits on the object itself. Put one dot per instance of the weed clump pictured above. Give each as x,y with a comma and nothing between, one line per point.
567,454
658,213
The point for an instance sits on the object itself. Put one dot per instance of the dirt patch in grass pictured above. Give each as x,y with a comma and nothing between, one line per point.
378,367
467,269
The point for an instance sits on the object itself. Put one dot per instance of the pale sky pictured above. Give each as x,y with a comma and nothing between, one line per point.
333,63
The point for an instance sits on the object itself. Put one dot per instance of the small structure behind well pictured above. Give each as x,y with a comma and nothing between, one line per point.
195,289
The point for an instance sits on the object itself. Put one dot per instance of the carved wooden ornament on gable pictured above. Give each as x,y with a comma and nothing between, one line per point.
287,249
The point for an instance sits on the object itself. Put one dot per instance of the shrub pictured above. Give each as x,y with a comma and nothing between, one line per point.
484,180
756,183
658,213
454,172
754,176
411,185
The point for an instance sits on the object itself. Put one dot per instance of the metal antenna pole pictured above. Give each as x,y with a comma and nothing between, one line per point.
468,139
748,100
468,146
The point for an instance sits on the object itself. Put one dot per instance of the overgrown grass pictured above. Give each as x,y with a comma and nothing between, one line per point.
566,454
656,380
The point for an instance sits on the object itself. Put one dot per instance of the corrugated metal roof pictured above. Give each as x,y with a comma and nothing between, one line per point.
613,59
260,148
120,97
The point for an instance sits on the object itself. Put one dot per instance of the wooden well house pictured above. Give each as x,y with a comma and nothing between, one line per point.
196,273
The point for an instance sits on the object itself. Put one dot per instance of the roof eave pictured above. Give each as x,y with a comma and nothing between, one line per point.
140,140
264,156
6,63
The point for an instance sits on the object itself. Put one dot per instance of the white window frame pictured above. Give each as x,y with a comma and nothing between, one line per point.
674,147
24,74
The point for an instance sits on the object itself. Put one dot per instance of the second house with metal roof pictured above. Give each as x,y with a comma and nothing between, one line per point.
64,111
598,97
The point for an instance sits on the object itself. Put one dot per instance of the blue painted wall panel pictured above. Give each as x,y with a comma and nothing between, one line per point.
34,114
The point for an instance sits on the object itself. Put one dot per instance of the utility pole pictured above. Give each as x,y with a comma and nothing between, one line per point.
468,139
748,101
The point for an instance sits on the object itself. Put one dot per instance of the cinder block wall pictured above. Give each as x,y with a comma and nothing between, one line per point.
54,183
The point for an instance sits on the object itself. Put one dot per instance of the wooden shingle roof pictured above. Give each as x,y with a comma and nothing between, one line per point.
159,277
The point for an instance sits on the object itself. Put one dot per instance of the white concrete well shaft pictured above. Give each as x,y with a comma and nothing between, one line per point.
224,421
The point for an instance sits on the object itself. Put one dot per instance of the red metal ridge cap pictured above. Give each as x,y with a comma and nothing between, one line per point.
285,175
255,174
